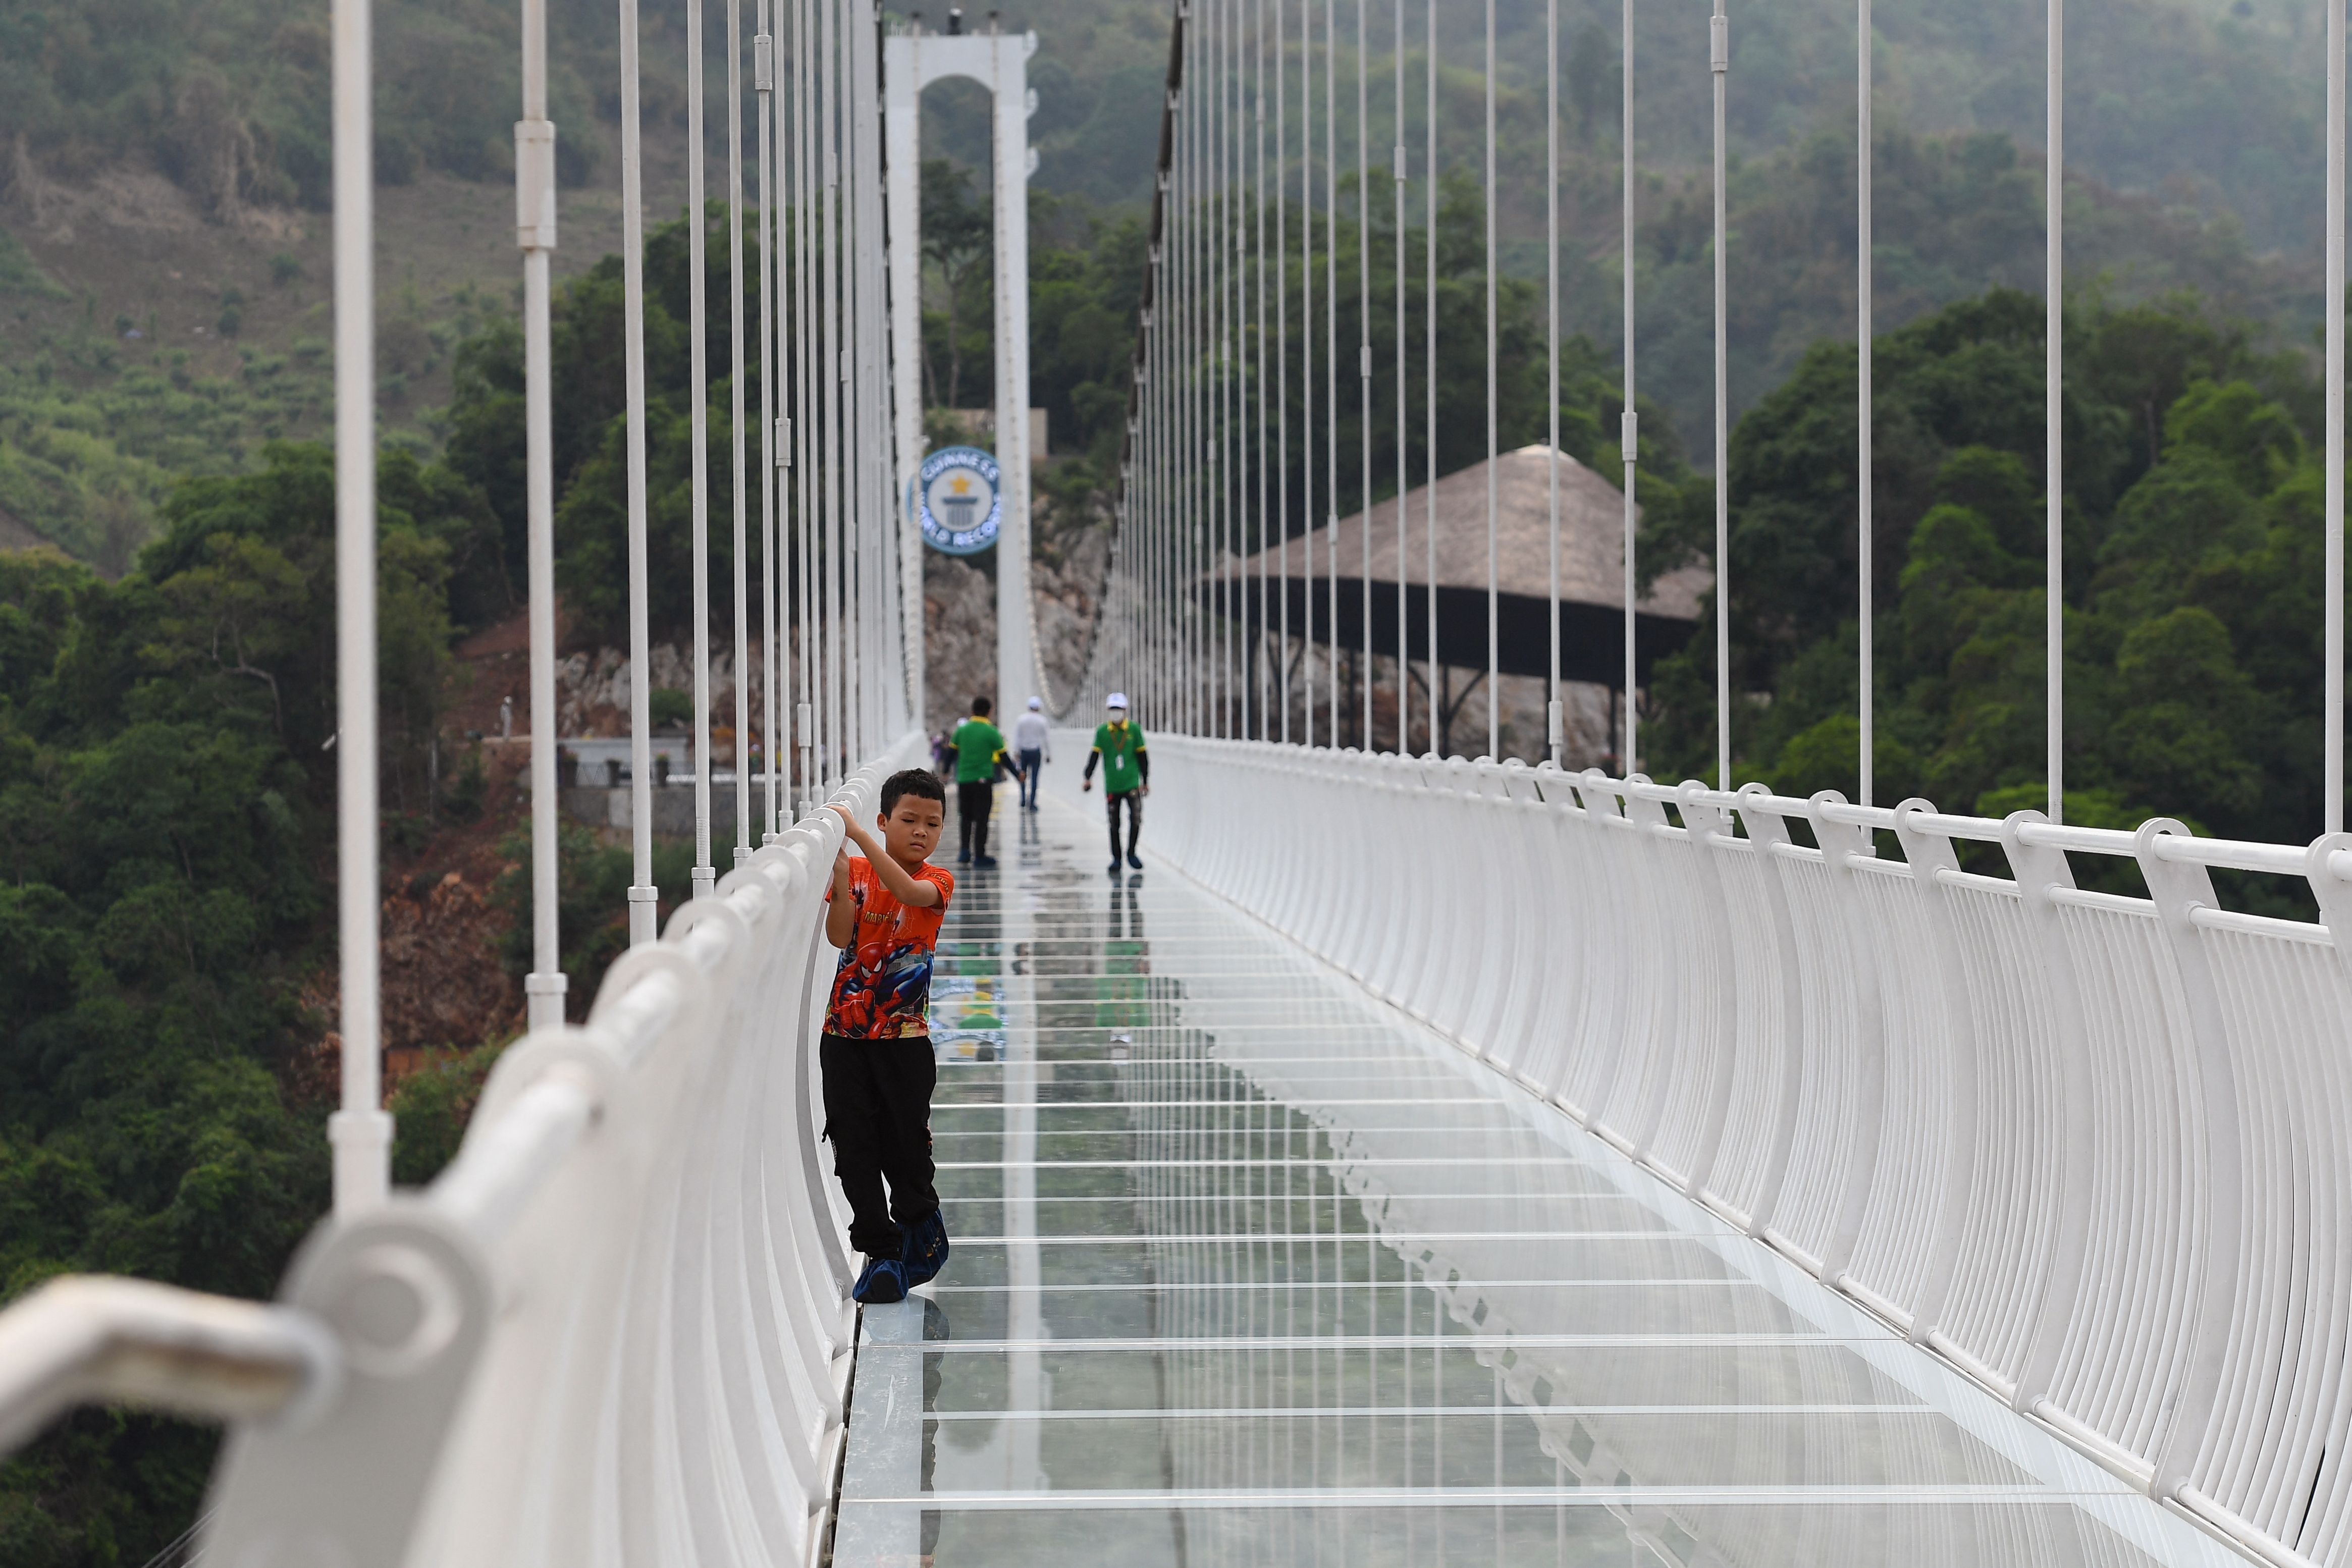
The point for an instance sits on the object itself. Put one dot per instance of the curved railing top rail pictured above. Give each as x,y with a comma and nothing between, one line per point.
2165,838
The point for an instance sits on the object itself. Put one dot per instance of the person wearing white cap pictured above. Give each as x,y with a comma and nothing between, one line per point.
1032,741
1127,776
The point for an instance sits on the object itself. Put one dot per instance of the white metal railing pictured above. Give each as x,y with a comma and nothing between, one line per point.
2093,1150
615,1329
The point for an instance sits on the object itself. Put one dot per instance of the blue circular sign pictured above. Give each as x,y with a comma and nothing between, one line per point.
956,501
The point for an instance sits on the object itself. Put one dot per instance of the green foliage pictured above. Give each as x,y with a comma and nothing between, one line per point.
2191,604
431,1107
166,802
592,898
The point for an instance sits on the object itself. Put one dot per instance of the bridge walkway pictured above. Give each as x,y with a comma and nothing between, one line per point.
1249,1269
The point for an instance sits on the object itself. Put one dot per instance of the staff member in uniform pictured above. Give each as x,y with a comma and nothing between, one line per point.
1127,776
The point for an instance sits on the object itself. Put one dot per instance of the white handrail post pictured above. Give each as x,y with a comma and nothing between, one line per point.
360,1131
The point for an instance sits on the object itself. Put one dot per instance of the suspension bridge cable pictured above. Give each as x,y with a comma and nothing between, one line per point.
535,162
1213,300
1494,510
772,449
1259,685
1866,330
1185,452
697,227
1629,427
1404,406
1331,339
2332,703
642,892
1555,728
2054,445
736,407
805,426
1307,350
1719,65
1364,347
1234,94
1237,351
1282,370
359,1129
1232,344
1429,372
830,239
1196,295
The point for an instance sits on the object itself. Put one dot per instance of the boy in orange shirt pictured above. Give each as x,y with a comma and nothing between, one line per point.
883,914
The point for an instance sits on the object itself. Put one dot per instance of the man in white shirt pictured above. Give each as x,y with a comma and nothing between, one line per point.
1030,739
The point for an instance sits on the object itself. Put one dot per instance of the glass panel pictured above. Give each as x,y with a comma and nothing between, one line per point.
1245,1272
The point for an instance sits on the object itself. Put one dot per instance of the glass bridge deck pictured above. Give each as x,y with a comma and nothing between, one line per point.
1247,1269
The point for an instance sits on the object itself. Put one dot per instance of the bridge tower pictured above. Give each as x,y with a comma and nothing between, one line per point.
999,62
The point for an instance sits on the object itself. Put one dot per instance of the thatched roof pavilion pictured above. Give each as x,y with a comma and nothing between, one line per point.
1592,576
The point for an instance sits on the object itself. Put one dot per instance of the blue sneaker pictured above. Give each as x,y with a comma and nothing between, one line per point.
927,1250
884,1282
984,862
1135,860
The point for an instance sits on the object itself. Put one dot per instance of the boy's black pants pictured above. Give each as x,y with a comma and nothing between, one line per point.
1133,799
974,801
877,1112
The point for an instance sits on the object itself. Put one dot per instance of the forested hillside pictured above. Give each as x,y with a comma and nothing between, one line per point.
162,262
2193,572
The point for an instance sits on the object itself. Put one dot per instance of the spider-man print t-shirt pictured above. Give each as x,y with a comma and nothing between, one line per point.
882,989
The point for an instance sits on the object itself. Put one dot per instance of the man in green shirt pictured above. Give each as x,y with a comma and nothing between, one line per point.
1127,776
979,746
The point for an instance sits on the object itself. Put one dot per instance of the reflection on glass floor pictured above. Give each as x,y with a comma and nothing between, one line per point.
1248,1271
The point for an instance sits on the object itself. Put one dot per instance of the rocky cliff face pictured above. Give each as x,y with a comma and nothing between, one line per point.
1069,556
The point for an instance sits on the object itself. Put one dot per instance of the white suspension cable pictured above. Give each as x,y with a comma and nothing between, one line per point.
774,751
1331,339
1282,371
2054,445
1364,349
642,892
1494,499
1629,429
361,1132
806,351
697,229
1260,686
1555,719
1429,372
1185,451
1235,348
2331,697
1404,405
736,405
1720,64
1865,333
831,369
1221,330
535,229
1306,351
